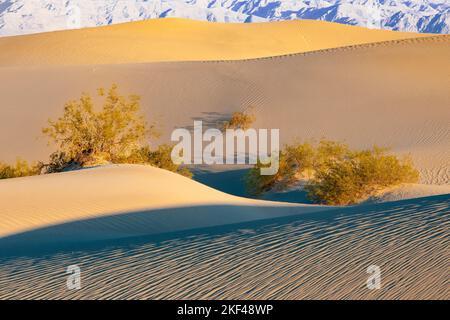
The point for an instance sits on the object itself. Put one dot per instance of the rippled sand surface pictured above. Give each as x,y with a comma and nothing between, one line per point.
320,255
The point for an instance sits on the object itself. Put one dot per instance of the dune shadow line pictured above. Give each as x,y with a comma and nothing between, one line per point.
173,223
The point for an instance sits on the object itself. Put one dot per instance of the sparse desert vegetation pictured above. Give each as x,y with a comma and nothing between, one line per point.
240,120
297,161
359,175
333,174
20,169
87,136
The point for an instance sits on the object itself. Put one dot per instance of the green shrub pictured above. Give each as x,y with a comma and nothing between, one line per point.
360,175
334,174
240,120
21,169
297,161
113,134
293,160
257,184
328,151
87,136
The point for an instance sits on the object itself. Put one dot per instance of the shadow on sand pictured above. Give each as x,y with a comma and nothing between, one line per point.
77,234
129,229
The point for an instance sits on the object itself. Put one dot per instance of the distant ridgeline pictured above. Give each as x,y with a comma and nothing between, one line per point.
24,16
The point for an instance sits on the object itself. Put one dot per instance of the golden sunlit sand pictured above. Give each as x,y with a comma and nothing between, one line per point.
181,40
42,201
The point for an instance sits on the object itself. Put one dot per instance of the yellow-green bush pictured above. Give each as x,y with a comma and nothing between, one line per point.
115,133
240,120
297,161
293,160
334,174
360,175
86,136
257,184
21,169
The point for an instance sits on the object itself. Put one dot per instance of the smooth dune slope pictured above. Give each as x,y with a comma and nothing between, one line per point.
181,39
393,94
143,199
312,256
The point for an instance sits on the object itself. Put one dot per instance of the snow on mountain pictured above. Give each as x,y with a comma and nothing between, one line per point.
413,15
31,16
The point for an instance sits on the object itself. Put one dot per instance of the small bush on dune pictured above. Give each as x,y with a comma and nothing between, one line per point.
86,136
297,161
328,151
257,184
293,161
335,174
113,134
240,120
359,176
21,169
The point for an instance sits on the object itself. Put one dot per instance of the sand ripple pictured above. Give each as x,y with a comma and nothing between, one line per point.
320,255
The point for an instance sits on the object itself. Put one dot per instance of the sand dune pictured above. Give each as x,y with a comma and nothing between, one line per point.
410,191
311,256
136,200
139,232
393,94
181,39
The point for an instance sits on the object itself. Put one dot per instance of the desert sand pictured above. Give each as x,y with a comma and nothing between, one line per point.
317,255
138,196
139,232
181,39
391,94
